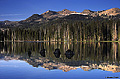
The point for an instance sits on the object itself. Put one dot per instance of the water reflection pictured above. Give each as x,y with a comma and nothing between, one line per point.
69,54
57,53
29,53
42,52
64,56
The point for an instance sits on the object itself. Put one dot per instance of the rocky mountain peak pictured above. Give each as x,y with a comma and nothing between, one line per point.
110,12
87,12
114,9
49,13
65,10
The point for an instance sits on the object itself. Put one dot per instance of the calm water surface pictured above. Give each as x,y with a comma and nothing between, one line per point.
56,60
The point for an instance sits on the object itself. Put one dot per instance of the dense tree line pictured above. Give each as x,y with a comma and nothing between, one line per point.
67,29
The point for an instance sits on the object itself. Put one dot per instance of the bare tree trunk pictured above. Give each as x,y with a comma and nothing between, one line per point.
114,36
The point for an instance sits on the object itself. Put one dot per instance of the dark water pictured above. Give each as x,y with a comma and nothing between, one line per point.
56,60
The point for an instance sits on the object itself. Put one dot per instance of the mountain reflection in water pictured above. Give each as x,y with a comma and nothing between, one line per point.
64,56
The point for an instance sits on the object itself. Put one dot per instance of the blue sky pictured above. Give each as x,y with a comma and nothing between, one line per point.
15,10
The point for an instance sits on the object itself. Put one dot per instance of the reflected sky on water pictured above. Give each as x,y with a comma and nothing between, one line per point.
59,60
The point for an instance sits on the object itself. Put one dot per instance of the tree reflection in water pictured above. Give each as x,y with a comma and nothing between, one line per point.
57,53
83,55
69,54
42,52
29,53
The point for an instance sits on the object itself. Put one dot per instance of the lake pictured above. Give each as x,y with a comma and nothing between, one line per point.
59,60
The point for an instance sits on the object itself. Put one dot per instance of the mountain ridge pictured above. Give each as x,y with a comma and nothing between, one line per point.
65,12
54,15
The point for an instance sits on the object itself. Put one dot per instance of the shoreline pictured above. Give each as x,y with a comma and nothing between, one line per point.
60,41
